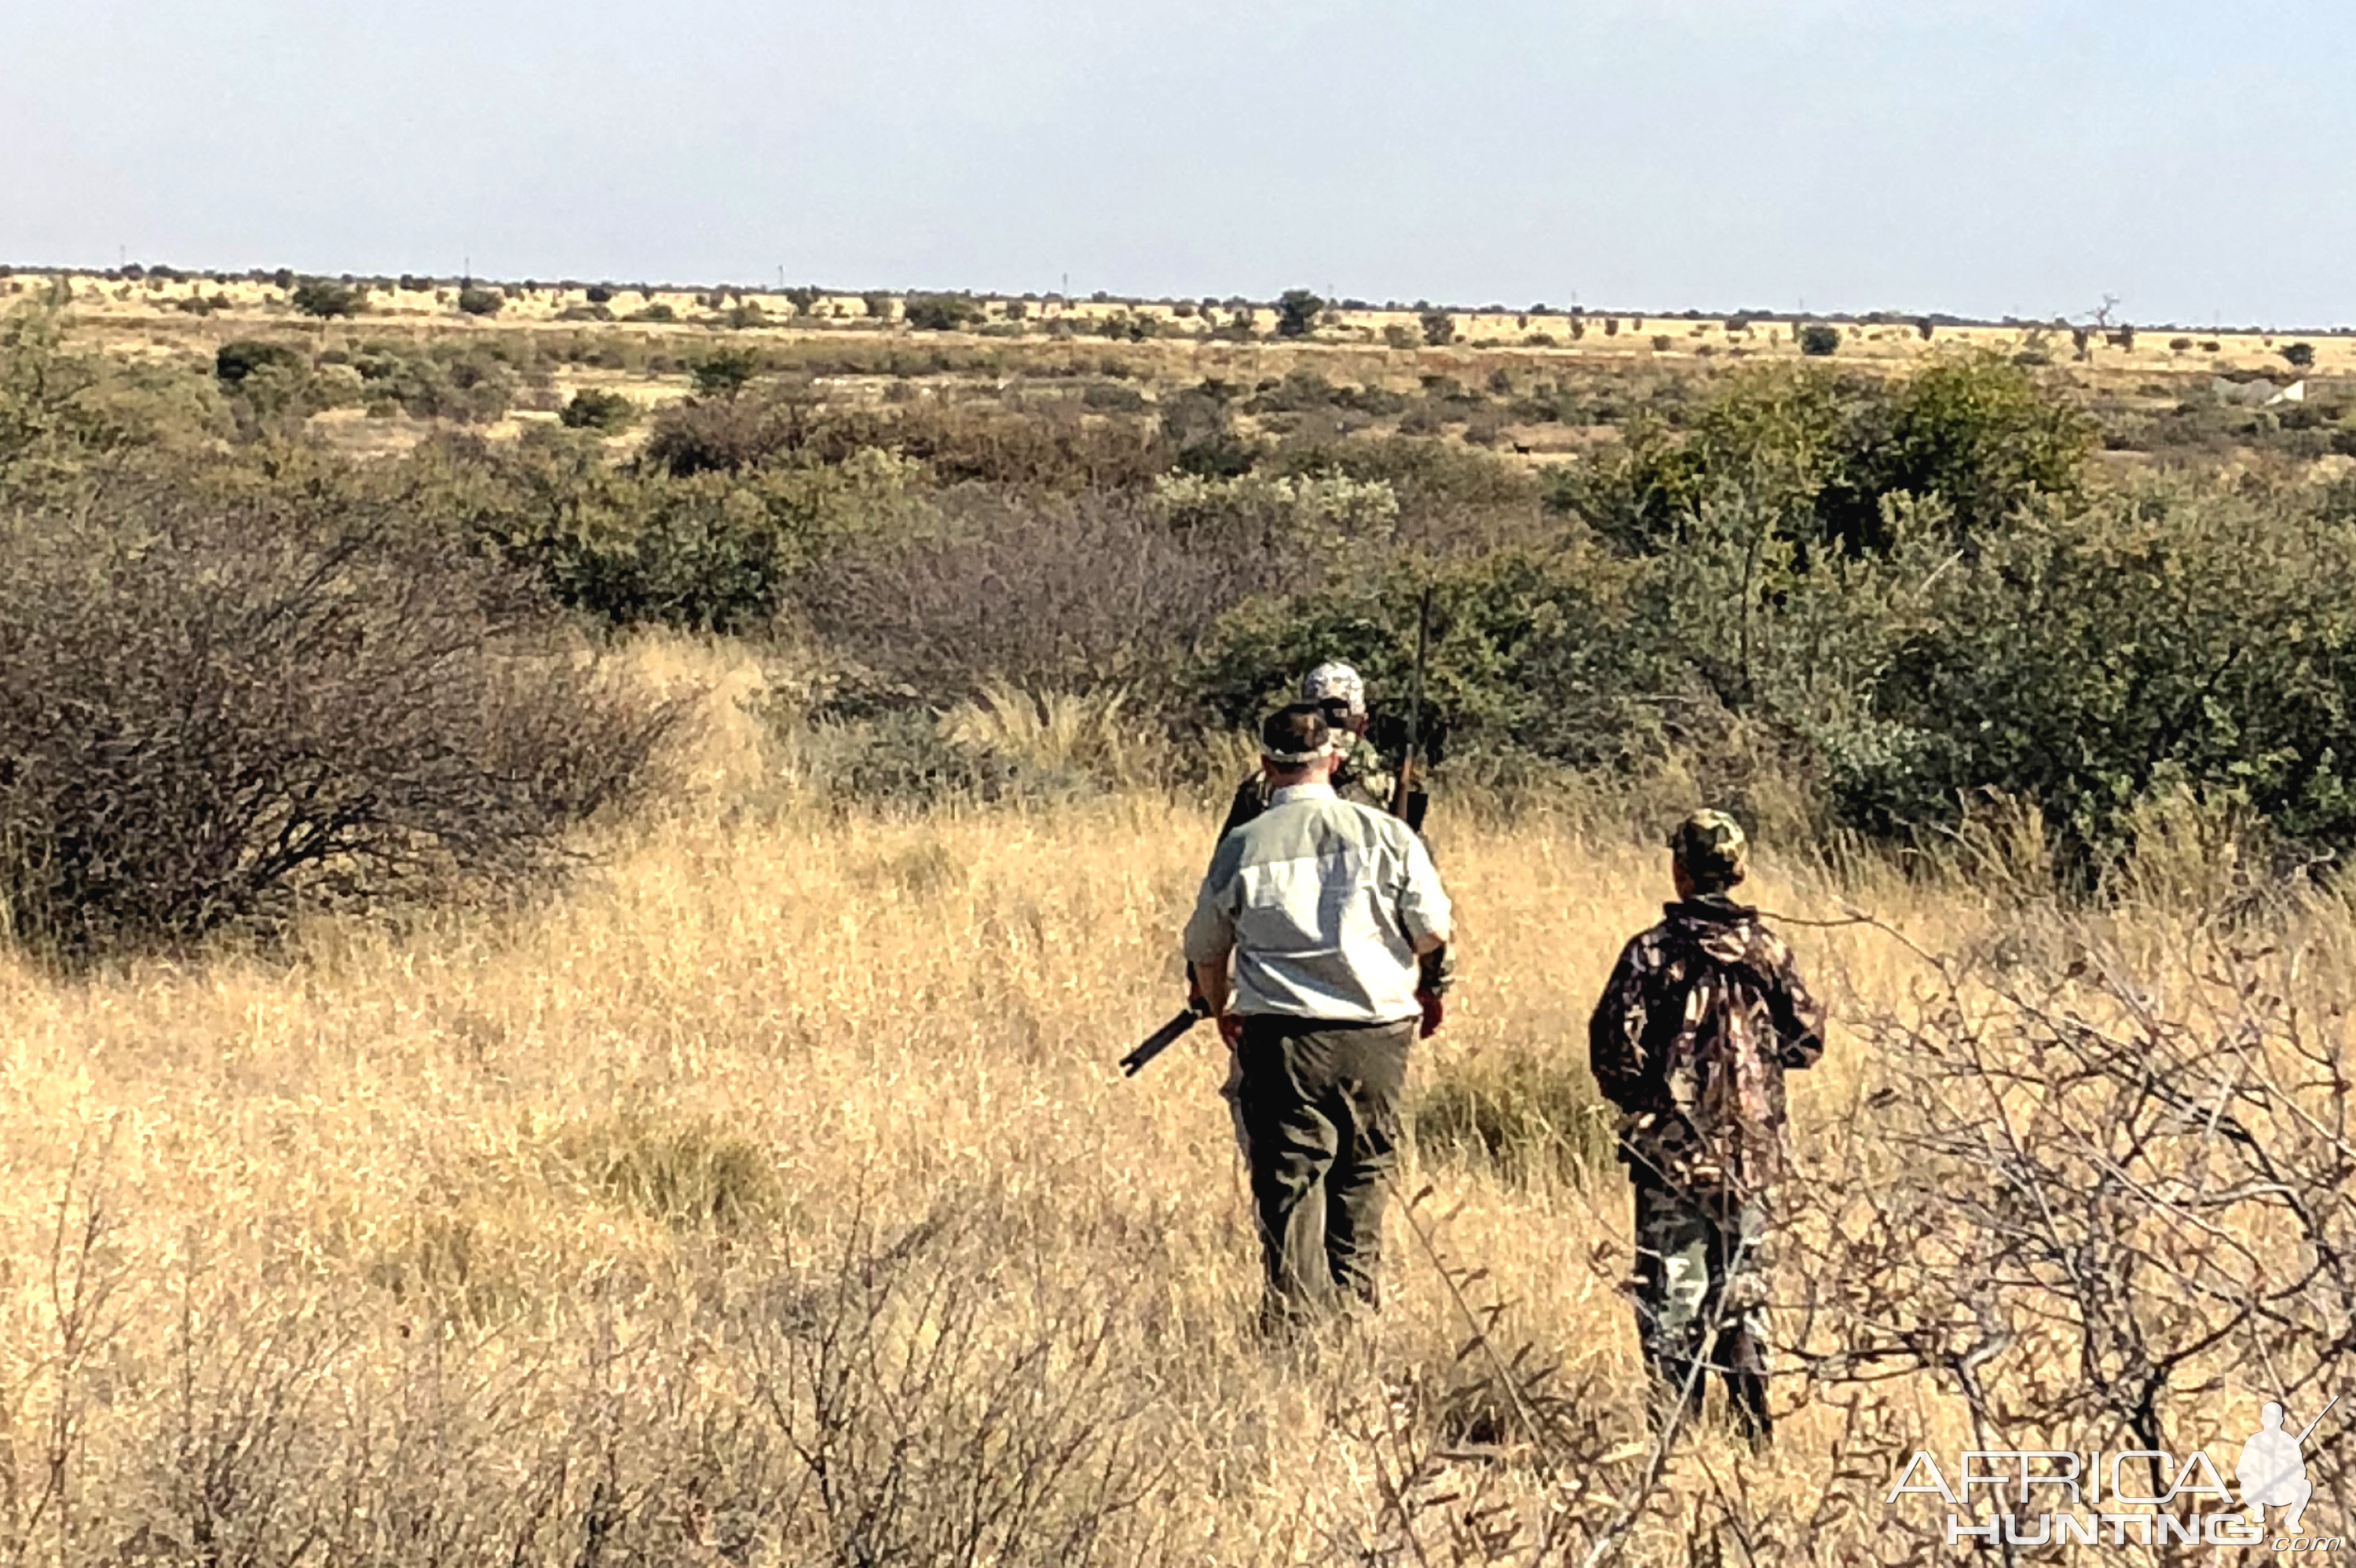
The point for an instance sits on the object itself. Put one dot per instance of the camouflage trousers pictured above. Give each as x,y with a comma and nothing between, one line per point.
1701,1292
1318,1106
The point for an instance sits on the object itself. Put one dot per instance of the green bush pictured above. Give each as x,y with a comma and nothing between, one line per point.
475,301
1439,328
319,297
598,408
466,382
1568,655
235,360
709,548
2088,662
1820,340
1425,473
940,313
726,372
1824,455
704,436
1974,431
2299,356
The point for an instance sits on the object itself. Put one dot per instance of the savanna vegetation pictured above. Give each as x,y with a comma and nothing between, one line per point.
563,969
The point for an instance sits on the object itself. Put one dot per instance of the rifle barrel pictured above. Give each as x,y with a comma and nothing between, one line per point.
1400,789
1160,1041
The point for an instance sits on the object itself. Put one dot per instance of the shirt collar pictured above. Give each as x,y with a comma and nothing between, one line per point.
1301,792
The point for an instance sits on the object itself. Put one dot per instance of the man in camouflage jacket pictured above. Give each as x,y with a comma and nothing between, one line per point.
1699,1022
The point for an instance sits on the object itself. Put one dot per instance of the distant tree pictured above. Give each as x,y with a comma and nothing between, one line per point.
1438,328
1296,313
2300,356
1397,336
940,312
236,360
1017,309
477,301
1924,326
1818,339
283,279
725,373
317,296
878,304
804,300
595,408
599,293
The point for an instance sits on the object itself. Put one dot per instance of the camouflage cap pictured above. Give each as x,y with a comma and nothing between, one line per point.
1335,683
1709,845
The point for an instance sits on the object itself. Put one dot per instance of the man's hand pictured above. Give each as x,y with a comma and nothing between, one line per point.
1231,1028
1435,1013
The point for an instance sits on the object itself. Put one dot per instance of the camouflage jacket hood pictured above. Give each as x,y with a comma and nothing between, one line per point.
1701,1019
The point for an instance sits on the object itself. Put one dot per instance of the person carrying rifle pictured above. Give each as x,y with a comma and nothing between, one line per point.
1325,907
1339,692
1359,773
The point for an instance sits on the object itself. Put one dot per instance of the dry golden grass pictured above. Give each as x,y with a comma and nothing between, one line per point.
466,1239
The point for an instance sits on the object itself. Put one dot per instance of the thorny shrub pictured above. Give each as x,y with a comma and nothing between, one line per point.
213,716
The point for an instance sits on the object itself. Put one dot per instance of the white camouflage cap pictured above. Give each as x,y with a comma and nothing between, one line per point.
1335,683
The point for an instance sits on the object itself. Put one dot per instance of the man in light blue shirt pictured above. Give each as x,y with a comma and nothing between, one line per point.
1325,907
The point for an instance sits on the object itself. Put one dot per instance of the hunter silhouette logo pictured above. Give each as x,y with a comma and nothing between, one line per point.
2047,1497
2272,1470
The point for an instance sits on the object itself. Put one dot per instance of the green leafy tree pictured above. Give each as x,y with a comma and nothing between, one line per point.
726,372
324,298
1297,310
598,408
1439,328
1977,432
1820,340
475,301
940,313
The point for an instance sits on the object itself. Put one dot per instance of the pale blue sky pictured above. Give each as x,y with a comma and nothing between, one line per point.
1983,156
